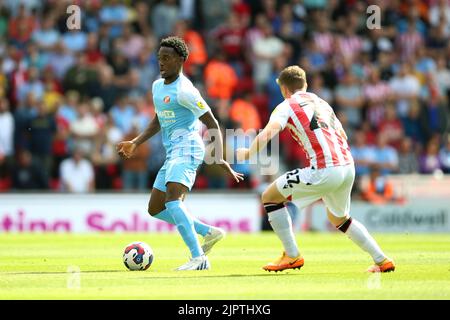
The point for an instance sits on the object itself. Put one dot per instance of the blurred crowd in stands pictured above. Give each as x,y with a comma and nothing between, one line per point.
68,96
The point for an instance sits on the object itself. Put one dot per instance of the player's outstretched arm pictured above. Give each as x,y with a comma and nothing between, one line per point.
126,149
212,124
260,142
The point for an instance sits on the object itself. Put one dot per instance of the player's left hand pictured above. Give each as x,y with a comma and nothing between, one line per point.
238,177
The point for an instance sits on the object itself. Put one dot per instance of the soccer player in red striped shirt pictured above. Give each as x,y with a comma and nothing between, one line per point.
329,176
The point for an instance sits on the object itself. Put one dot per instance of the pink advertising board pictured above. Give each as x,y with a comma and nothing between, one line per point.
119,213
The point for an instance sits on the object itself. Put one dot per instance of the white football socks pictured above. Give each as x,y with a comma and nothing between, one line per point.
359,235
281,222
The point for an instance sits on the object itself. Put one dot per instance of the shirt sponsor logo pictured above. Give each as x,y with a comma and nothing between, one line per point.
167,114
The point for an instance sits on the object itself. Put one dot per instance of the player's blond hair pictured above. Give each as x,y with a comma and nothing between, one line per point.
293,78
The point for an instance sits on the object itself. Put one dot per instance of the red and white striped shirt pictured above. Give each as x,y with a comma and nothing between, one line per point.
408,42
313,124
324,42
350,46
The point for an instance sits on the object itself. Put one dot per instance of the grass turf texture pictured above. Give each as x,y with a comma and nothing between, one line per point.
35,267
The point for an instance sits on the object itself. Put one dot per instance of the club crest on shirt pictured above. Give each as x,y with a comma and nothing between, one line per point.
166,99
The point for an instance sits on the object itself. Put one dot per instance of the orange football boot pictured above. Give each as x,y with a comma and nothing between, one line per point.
285,262
387,265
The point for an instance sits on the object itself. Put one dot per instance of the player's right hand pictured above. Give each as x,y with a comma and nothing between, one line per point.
126,149
238,177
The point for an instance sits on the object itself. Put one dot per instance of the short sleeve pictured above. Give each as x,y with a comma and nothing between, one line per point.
190,98
281,114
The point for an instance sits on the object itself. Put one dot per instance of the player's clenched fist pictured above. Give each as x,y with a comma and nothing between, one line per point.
126,149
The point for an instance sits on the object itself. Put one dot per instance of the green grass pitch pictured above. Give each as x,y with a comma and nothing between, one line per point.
35,266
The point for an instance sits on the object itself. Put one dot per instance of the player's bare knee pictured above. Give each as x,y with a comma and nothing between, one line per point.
152,212
174,193
156,204
335,220
155,207
341,223
173,196
344,225
268,197
264,196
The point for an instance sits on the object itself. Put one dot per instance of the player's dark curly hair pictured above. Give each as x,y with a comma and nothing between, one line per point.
176,44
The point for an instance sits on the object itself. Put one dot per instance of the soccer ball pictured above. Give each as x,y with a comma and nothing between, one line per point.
137,256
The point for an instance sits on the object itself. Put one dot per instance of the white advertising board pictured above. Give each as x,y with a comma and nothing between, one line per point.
414,216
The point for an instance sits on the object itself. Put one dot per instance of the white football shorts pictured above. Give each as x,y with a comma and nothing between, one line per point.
333,185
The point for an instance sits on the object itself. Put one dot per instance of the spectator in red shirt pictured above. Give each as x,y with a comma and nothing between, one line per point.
391,127
21,27
230,37
93,54
241,8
